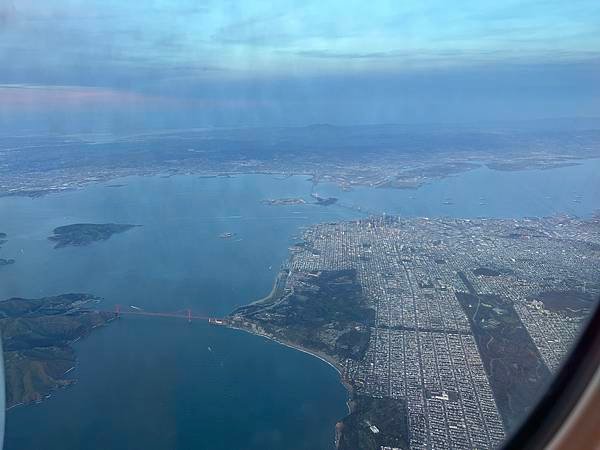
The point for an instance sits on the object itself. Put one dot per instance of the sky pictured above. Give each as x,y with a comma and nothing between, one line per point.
87,64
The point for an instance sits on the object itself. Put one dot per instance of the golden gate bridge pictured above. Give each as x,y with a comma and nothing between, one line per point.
181,314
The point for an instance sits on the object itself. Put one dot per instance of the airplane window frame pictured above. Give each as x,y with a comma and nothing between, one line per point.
566,389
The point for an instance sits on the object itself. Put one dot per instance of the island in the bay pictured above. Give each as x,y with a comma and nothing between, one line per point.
37,336
284,201
324,201
80,234
444,331
5,261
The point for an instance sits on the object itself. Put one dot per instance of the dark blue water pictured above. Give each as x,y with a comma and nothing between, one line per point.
153,383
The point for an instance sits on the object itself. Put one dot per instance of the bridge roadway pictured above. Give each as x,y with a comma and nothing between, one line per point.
185,314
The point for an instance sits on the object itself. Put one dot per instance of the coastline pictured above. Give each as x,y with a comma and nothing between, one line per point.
270,295
62,383
330,361
116,176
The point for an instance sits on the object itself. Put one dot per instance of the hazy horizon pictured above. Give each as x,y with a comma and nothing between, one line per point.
70,65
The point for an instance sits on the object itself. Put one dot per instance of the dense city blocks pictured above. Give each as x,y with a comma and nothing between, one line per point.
458,323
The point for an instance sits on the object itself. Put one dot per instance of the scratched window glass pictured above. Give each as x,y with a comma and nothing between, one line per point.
292,225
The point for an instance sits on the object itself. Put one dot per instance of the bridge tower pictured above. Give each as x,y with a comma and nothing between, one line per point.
189,315
117,311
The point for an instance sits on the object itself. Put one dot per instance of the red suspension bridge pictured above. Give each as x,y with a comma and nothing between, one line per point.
182,314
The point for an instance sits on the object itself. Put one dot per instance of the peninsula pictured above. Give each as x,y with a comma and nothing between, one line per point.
438,345
37,336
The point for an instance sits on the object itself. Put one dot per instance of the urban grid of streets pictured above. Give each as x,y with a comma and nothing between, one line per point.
422,348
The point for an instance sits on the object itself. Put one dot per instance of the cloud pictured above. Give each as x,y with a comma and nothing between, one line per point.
256,30
401,60
77,54
328,54
31,97
36,97
7,12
